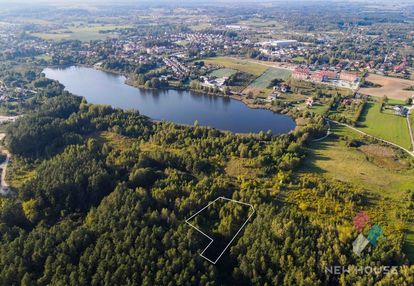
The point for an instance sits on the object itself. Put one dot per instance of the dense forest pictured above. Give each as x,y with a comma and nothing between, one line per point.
105,194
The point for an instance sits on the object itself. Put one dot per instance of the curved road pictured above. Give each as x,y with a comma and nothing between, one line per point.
366,134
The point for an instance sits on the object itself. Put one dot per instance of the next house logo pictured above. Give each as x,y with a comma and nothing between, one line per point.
361,220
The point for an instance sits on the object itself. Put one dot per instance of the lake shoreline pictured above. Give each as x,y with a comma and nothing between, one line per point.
248,102
98,86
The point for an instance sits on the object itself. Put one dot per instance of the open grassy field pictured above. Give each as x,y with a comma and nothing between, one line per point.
391,87
266,78
260,23
412,121
384,125
225,72
82,33
260,86
237,64
199,27
332,158
374,168
242,167
316,108
298,59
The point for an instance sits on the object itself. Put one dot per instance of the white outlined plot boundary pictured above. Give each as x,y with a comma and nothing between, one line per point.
212,240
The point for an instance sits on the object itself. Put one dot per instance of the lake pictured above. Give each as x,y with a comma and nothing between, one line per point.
183,107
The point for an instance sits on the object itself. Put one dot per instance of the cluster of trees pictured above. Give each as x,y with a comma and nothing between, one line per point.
102,211
125,66
346,110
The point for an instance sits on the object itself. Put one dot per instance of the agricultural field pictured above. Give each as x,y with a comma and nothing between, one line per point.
237,64
82,33
384,125
394,88
266,78
224,72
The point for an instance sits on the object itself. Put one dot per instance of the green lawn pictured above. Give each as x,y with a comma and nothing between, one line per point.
83,33
298,59
270,74
199,27
412,122
44,57
384,125
225,72
237,64
318,108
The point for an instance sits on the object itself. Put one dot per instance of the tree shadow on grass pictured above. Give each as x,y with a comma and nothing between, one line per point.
409,245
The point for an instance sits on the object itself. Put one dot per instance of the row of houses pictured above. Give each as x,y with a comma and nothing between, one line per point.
304,73
179,69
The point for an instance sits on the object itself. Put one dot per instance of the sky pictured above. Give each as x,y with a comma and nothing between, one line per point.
166,1
118,2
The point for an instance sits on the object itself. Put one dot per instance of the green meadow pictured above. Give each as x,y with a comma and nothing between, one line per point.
385,125
82,33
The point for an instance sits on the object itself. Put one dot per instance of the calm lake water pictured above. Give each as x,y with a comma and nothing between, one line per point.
182,107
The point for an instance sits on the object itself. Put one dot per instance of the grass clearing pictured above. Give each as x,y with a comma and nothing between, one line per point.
270,74
237,64
113,140
242,167
298,59
333,159
317,108
225,72
200,27
82,33
384,125
260,86
372,168
18,173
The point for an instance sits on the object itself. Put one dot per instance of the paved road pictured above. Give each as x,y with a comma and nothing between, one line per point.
4,187
327,133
